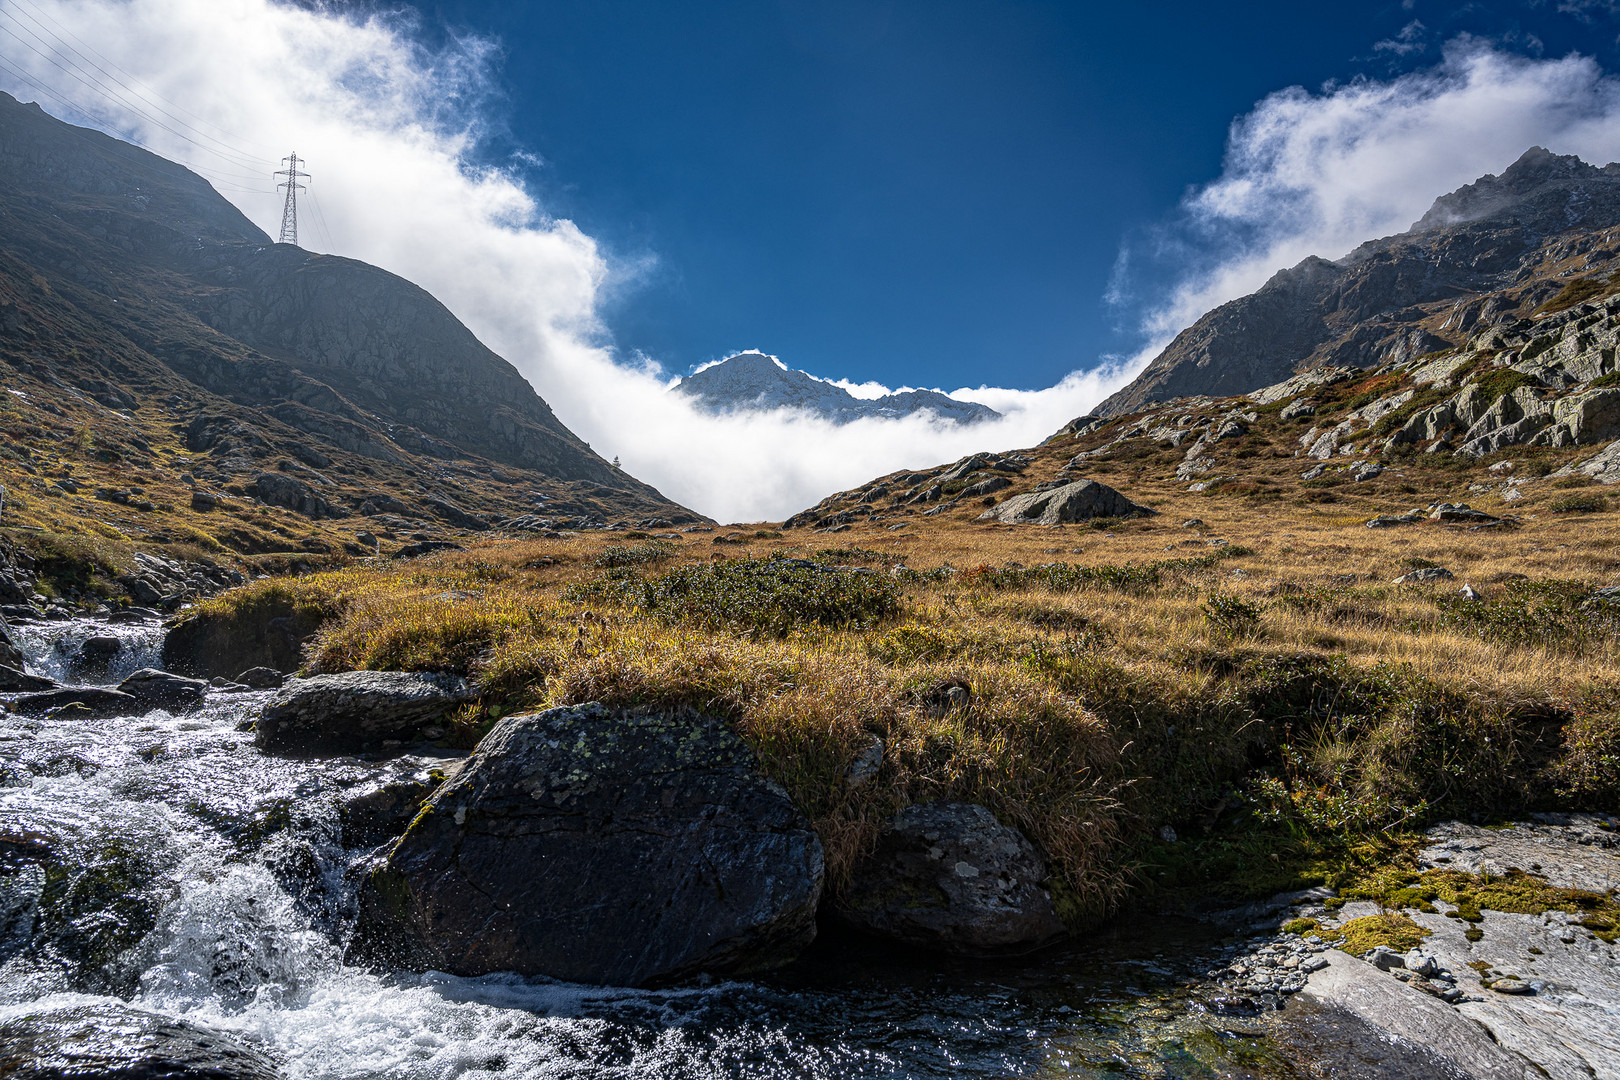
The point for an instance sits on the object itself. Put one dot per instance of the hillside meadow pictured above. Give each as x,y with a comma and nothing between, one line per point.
1224,699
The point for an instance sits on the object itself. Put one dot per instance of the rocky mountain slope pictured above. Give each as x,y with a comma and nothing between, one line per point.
754,381
171,373
1489,254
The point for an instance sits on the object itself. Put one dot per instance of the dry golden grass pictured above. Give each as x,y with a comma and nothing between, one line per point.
1096,714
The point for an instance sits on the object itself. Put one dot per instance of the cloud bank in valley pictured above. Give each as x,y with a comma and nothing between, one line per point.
391,130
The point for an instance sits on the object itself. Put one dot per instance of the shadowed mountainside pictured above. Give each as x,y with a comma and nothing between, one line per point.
138,308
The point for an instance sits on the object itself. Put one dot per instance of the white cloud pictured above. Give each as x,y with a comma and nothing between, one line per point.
388,129
1408,41
1319,173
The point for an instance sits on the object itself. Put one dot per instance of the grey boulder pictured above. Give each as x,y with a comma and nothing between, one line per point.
620,847
357,710
115,1042
161,690
1077,501
948,876
261,678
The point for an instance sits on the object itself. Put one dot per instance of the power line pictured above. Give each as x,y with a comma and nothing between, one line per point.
289,209
320,219
135,85
94,85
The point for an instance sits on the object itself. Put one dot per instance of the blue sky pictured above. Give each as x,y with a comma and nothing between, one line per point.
929,193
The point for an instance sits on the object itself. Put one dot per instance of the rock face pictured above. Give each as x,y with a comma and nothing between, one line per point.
1076,501
752,380
160,690
357,710
1461,269
114,1042
950,877
598,846
271,635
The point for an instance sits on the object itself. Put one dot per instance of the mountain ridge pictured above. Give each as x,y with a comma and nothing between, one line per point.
753,380
133,296
1487,253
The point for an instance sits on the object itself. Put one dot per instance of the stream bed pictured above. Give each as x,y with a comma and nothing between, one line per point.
189,874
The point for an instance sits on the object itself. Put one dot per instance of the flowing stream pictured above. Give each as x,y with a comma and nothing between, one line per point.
191,875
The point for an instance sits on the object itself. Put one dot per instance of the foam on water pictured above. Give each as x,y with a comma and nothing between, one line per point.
53,649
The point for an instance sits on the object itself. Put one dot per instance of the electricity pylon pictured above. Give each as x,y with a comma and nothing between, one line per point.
289,209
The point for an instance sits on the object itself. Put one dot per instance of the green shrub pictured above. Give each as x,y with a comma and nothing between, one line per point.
1579,504
1231,615
753,595
1576,292
655,551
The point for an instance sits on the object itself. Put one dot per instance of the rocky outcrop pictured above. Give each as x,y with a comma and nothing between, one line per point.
269,633
161,690
359,710
1411,1019
115,1042
623,847
950,878
1397,298
278,489
1079,500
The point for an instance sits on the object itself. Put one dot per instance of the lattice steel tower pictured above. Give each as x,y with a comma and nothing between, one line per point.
289,209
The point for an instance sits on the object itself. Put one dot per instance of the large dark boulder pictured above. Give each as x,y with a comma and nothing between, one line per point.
279,489
1078,501
949,877
161,690
615,847
358,710
115,1042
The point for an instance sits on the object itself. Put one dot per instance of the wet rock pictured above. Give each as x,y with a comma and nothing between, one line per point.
100,649
381,810
948,876
261,678
357,709
621,847
1412,1019
115,1042
161,690
11,655
13,681
133,614
91,701
1077,501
